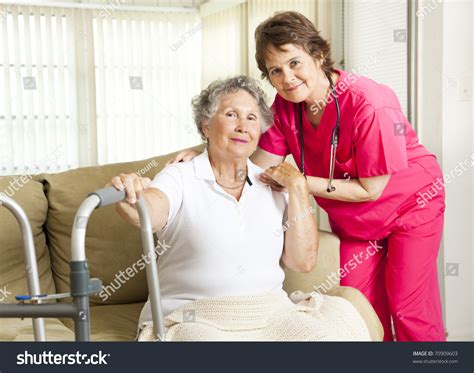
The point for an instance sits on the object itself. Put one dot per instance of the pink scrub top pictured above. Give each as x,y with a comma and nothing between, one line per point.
375,139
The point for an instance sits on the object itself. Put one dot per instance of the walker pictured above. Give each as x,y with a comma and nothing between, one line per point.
82,286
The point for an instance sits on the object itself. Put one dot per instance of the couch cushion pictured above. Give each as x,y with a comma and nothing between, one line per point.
22,330
113,322
30,196
112,245
108,323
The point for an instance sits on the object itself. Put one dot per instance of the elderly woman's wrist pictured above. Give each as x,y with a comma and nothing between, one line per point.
299,184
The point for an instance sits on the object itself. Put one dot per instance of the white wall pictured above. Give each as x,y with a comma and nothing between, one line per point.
472,173
446,67
458,146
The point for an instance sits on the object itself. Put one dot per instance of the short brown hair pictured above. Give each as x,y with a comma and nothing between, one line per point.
291,28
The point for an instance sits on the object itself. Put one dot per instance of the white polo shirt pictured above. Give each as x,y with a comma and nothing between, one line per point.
218,246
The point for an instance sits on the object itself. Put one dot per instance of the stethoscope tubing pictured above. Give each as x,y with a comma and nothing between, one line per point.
334,137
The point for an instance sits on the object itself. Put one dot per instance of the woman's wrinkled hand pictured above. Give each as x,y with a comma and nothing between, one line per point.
283,177
184,156
133,185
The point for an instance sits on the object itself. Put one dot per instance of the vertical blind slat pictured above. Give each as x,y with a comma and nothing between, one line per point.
108,77
73,132
139,95
41,134
7,139
147,135
30,132
18,124
52,131
121,83
60,83
101,95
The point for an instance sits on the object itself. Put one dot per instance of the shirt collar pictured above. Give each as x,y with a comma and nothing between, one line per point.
203,168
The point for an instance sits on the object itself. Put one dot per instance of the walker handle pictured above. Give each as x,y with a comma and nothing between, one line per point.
108,196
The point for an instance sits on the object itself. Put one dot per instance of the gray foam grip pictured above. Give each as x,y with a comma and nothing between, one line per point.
108,196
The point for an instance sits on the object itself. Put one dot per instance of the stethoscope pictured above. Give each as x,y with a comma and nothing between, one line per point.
334,137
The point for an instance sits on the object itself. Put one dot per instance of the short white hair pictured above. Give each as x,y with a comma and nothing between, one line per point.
205,105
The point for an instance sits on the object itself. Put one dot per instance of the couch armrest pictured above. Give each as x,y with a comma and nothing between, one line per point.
360,302
325,279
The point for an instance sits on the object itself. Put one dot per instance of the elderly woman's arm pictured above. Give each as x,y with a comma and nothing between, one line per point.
301,230
135,187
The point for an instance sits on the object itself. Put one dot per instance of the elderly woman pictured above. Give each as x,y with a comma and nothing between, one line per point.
223,268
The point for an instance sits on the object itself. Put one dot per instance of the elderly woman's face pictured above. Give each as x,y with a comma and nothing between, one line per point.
235,128
294,73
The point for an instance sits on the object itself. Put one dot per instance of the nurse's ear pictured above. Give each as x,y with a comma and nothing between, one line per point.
318,60
269,80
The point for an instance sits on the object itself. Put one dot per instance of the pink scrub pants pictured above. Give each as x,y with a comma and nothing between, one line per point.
399,277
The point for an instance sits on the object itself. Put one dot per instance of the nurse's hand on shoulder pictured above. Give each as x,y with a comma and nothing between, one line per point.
184,156
283,177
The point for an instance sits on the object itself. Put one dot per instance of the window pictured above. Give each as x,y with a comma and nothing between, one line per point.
147,69
37,132
144,69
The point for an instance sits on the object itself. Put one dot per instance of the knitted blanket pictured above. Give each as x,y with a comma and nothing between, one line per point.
265,317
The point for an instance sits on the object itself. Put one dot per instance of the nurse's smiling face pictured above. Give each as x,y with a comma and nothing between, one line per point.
296,75
235,128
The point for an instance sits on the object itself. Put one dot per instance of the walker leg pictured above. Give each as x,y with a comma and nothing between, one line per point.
30,259
79,279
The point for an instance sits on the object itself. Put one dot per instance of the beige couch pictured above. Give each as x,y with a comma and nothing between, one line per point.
51,200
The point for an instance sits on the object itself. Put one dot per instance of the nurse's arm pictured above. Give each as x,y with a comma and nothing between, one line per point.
260,157
264,159
351,190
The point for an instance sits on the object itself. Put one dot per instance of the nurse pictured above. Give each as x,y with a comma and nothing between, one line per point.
386,202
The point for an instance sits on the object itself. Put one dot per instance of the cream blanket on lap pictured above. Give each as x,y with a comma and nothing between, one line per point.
264,317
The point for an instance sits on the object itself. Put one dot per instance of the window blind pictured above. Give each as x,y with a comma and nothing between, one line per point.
37,115
376,37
